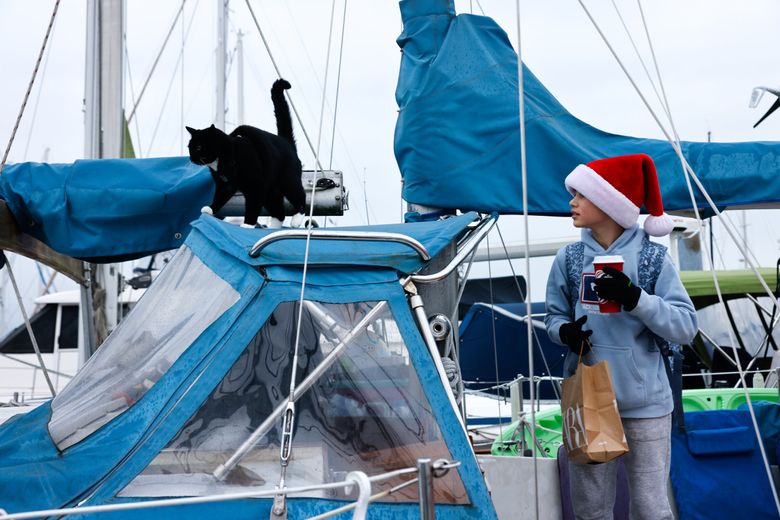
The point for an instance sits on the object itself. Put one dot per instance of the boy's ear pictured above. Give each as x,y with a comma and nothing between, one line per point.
191,130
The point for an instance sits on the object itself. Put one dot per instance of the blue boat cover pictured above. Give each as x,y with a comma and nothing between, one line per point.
434,236
107,209
768,419
457,138
717,471
486,334
35,475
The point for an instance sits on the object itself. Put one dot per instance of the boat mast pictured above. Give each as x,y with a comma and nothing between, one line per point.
240,77
222,19
103,139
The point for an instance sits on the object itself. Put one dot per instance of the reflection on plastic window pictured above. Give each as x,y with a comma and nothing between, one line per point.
366,412
182,302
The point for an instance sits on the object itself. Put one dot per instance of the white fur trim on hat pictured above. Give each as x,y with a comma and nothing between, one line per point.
600,192
659,226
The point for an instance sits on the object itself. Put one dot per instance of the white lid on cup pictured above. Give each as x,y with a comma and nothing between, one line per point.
608,259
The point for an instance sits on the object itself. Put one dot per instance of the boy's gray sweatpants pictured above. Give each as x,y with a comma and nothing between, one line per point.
647,465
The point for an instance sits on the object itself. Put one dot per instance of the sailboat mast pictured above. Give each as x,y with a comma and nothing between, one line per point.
240,77
222,18
103,139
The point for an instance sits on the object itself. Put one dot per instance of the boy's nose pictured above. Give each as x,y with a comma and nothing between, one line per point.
571,202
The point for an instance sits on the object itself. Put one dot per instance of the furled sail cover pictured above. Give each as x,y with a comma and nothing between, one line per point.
457,139
107,209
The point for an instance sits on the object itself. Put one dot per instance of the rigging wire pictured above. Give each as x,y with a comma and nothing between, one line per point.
338,88
30,85
690,174
29,328
37,100
537,343
353,168
664,106
183,40
179,60
524,175
157,60
132,93
279,74
493,329
289,416
712,269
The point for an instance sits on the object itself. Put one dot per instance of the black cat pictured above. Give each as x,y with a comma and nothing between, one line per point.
263,166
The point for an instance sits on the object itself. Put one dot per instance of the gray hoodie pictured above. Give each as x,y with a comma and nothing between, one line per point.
624,338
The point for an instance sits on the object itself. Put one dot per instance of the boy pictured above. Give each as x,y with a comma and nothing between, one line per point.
607,196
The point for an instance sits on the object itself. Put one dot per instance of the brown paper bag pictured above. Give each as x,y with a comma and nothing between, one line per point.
592,430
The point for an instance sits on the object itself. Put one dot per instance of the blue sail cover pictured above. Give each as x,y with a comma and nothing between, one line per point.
107,209
457,139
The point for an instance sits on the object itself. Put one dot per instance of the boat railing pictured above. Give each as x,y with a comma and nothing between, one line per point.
331,234
467,248
426,471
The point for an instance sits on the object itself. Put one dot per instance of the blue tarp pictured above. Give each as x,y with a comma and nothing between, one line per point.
486,334
457,139
717,471
35,475
434,236
107,209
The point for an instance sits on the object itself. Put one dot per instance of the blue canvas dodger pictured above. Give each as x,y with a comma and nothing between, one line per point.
107,460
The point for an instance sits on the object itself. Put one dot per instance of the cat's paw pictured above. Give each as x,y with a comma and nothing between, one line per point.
207,210
297,220
274,223
248,226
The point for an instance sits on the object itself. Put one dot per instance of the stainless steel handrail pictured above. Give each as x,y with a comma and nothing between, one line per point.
326,234
482,229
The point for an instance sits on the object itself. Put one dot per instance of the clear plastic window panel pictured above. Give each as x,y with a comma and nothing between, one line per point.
182,302
366,411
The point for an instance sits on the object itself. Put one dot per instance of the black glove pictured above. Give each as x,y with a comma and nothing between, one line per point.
577,339
616,286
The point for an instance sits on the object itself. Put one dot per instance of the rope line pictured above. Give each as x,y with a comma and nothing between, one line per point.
279,74
179,61
524,174
537,343
664,106
289,416
30,85
712,269
690,174
338,89
156,61
493,327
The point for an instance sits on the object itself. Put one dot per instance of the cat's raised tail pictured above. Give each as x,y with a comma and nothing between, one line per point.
282,111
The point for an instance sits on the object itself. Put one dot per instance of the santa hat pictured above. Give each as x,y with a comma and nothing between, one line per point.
619,186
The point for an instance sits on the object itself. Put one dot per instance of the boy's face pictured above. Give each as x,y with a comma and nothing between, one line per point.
585,214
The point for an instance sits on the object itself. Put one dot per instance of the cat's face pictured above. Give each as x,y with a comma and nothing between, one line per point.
204,144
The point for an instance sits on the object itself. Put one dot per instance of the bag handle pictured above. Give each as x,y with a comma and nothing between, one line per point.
584,342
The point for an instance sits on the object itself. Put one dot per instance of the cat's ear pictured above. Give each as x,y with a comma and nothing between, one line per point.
191,130
212,125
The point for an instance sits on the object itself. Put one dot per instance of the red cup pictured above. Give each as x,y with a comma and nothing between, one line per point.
599,263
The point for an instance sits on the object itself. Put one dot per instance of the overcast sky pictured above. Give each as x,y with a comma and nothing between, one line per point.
711,54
